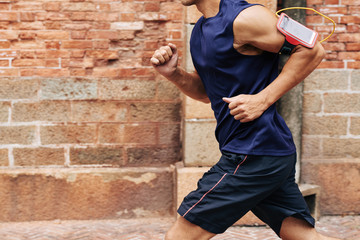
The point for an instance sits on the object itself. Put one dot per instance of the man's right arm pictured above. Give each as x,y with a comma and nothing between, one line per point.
165,61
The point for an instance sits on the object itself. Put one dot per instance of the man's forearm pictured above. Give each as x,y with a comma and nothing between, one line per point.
190,84
300,64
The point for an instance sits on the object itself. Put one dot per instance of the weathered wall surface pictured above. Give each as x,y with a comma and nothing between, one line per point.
331,133
78,92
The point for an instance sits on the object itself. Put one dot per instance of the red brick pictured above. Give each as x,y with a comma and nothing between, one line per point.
38,156
353,65
349,55
349,37
353,28
77,53
4,63
52,72
4,44
10,35
52,35
78,34
8,16
127,17
52,44
76,44
27,35
57,54
29,25
331,64
353,46
106,72
350,2
152,6
314,2
81,6
101,44
52,6
27,6
350,19
354,10
27,63
5,6
331,2
103,54
103,35
77,72
27,16
68,134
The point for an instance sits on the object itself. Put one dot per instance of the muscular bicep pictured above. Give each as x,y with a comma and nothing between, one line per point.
256,26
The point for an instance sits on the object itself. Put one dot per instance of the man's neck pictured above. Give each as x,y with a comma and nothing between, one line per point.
209,8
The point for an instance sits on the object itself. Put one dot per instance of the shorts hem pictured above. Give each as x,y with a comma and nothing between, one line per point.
204,224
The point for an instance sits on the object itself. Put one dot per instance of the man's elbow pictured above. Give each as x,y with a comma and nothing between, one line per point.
319,53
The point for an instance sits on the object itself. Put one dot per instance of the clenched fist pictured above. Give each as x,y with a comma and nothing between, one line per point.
165,60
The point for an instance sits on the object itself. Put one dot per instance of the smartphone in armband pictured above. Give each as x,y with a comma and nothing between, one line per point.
295,32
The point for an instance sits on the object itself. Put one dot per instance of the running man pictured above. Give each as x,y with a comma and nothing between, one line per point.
235,50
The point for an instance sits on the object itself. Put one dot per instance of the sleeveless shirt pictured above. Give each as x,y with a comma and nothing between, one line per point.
227,73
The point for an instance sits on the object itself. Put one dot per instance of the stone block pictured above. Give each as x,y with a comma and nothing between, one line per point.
17,134
141,133
101,155
4,156
98,111
341,147
52,111
127,89
342,102
111,133
312,103
85,194
355,125
197,110
355,80
153,156
339,182
72,89
169,134
18,89
62,134
4,111
38,156
200,145
166,90
327,80
155,112
325,125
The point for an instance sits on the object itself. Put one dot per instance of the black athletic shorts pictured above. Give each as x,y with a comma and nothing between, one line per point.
237,184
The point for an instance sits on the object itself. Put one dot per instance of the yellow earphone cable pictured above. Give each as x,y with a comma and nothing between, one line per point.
333,22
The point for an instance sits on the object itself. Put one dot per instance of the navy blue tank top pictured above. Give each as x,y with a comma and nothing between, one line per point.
227,73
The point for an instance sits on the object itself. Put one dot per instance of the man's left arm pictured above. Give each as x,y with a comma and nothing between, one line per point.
256,26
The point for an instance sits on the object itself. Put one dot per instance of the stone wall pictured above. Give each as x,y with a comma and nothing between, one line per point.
331,133
80,100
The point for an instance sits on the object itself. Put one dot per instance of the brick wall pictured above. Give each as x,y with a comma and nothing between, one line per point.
81,109
77,87
331,133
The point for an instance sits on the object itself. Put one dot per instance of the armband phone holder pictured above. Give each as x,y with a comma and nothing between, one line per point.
295,34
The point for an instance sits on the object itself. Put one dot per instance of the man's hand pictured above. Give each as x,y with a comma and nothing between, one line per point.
165,60
246,108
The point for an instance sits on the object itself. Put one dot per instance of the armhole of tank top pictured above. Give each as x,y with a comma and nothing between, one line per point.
232,29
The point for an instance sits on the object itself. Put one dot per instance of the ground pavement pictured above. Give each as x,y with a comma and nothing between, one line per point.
347,227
